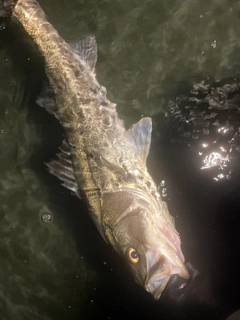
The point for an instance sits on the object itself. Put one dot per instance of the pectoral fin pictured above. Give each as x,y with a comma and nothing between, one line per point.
63,168
140,136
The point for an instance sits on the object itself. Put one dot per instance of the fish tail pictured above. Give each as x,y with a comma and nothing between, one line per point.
6,7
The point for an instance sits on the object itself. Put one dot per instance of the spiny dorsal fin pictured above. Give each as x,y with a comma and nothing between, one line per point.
140,136
63,168
87,50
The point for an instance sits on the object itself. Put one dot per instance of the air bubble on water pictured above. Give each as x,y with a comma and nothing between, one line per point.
183,285
214,44
2,131
162,183
228,177
195,136
136,104
2,26
164,192
46,218
206,131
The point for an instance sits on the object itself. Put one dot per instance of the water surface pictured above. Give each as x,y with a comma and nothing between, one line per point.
150,52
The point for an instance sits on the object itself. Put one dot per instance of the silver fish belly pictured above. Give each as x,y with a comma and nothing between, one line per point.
101,161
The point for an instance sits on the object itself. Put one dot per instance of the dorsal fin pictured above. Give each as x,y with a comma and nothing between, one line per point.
87,50
63,168
140,136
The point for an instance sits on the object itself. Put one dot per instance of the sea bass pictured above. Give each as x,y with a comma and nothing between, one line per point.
101,161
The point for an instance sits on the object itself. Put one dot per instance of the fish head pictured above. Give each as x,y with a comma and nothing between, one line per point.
147,240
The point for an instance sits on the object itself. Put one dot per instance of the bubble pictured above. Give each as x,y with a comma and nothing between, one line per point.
195,136
214,44
164,192
162,183
46,218
2,26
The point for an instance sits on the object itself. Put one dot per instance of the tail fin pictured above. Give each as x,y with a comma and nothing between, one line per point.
6,7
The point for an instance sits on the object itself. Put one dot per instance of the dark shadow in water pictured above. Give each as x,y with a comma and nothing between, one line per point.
209,208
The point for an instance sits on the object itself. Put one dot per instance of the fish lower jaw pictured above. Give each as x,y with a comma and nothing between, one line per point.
155,285
155,288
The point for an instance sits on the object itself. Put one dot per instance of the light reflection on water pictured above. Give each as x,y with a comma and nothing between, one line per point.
208,123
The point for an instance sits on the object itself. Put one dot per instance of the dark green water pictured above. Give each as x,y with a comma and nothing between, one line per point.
149,52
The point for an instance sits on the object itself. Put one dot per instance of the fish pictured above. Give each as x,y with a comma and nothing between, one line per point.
101,161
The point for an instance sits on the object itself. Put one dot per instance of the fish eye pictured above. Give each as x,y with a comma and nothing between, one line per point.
132,255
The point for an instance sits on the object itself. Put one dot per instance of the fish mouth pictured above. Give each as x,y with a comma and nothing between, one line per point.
159,271
156,287
157,275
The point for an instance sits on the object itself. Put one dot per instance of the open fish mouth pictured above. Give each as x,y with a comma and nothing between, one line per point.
156,287
157,274
159,271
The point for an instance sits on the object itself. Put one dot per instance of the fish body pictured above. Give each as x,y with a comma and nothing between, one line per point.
101,161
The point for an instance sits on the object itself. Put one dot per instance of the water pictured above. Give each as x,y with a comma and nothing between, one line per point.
150,53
